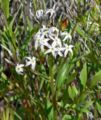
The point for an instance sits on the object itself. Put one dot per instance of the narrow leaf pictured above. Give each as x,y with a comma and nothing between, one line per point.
71,78
96,79
98,107
67,117
62,74
83,75
71,92
5,7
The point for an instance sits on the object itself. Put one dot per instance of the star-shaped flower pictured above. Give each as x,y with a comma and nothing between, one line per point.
39,14
53,31
55,50
31,61
19,69
68,48
44,43
50,12
66,36
40,36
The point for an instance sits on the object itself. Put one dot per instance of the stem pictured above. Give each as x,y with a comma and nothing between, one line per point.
34,4
53,90
74,28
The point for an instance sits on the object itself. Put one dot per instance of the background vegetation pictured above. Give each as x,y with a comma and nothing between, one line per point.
59,89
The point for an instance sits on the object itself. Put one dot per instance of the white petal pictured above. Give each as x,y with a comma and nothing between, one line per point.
33,66
65,53
36,44
71,51
51,11
39,13
42,48
33,58
19,68
28,63
48,51
21,65
28,58
60,54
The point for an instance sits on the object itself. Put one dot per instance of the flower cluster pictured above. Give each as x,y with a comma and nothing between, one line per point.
51,40
41,14
48,40
30,61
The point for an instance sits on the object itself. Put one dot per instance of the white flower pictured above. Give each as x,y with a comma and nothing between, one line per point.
53,31
40,36
68,48
41,33
57,41
39,14
51,49
19,69
50,12
59,51
54,50
44,43
66,36
43,29
31,61
90,115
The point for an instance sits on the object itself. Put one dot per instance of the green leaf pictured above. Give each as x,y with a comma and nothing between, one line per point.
67,117
49,110
3,76
17,115
72,91
84,110
75,90
5,7
80,32
63,72
83,75
83,96
88,104
96,79
71,78
98,107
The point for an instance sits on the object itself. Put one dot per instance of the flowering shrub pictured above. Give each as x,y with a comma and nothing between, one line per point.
50,60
